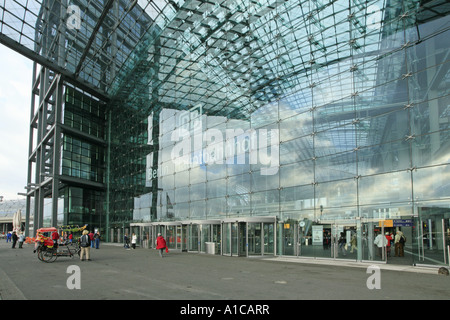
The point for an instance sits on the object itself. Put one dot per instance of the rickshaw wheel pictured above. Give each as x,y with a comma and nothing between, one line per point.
39,254
48,255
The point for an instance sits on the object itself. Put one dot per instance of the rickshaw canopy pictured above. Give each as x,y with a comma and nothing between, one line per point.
50,229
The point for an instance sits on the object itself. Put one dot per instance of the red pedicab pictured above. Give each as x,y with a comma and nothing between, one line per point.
47,250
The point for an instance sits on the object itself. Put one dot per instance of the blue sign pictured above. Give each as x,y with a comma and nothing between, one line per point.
403,223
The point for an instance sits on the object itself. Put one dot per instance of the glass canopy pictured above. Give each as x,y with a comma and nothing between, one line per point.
233,56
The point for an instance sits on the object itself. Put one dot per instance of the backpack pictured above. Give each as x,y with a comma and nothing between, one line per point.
84,241
402,239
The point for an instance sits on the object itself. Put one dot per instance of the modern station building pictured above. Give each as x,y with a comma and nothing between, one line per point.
241,127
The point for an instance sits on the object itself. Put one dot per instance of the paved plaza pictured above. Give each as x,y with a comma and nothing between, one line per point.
119,274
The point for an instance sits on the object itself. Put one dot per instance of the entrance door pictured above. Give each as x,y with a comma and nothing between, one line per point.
375,244
288,244
254,239
238,238
193,237
268,238
336,239
343,240
249,237
433,237
242,239
205,231
184,231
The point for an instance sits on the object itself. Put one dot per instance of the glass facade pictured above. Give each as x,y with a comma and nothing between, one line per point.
82,158
283,126
82,166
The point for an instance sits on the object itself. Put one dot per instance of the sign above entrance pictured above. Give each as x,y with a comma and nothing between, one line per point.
403,223
396,223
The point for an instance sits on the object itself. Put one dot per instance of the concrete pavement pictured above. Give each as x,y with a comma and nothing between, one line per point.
118,274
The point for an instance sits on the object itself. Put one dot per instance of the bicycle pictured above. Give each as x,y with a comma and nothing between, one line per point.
50,254
47,251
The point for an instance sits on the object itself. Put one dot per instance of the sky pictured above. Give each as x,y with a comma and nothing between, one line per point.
15,99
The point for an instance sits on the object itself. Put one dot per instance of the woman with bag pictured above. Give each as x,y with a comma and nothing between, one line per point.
161,244
85,245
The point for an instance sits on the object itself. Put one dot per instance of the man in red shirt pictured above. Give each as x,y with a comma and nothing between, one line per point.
91,237
55,237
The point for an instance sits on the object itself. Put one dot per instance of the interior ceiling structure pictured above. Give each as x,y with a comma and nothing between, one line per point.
233,56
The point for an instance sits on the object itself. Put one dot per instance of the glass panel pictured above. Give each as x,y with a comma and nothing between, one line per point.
205,236
146,237
242,239
234,239
226,242
299,173
344,235
287,240
384,158
184,237
430,149
337,195
254,239
193,237
269,238
171,237
296,150
431,183
433,236
385,188
265,203
216,237
295,126
334,167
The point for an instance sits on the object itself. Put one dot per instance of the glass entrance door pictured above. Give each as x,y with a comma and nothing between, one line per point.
242,239
288,243
184,231
249,237
255,239
336,239
193,237
261,237
234,238
376,240
268,238
433,244
237,238
343,240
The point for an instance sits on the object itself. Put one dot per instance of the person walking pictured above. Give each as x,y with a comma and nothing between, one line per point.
21,240
399,242
353,243
388,244
91,237
133,240
126,242
97,240
161,244
14,239
342,241
380,242
85,244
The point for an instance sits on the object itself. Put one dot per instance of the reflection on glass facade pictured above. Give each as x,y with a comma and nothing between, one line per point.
330,116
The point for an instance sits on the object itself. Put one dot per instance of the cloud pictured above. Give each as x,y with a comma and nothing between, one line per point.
15,99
